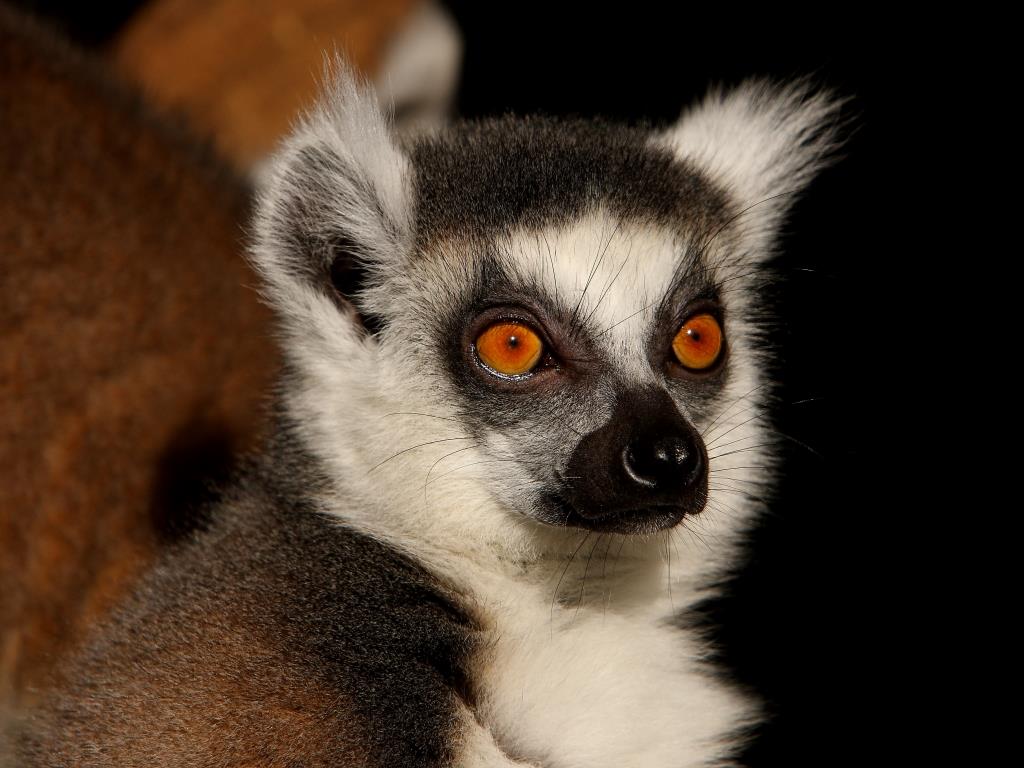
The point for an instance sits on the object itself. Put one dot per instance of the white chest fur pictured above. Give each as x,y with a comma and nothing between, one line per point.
593,687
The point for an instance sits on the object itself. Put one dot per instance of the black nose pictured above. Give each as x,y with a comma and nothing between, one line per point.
663,462
641,472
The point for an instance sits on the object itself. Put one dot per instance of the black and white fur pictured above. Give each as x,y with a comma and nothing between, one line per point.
409,554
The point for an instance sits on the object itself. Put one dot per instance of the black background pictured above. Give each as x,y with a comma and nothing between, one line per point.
816,621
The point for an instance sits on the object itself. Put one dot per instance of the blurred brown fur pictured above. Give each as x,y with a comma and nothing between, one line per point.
242,70
133,353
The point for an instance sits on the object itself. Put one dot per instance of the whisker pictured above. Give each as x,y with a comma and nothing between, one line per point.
687,526
707,243
499,461
718,506
615,562
737,491
705,532
720,283
738,440
604,580
739,450
583,583
608,287
739,482
426,478
414,447
793,440
575,321
706,431
627,317
551,261
671,599
733,429
554,597
417,413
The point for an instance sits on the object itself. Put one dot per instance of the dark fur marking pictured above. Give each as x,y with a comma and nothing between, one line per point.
484,178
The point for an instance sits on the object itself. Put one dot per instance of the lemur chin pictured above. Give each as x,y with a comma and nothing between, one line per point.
520,431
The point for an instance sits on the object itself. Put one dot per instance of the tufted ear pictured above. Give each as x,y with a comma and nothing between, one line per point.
762,142
334,211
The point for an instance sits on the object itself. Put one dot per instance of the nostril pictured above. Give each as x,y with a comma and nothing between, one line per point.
670,460
635,468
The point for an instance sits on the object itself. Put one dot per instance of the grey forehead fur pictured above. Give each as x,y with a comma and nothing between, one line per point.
480,179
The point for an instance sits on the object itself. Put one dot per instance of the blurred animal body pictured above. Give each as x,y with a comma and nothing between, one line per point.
117,397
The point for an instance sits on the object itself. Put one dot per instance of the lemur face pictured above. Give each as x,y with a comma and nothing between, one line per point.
585,336
577,301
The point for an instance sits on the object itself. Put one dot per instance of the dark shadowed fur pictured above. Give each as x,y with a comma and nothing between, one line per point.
276,638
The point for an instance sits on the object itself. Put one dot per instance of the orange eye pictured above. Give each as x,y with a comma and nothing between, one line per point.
509,348
698,345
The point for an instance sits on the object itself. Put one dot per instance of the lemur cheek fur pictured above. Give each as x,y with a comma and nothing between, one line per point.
508,395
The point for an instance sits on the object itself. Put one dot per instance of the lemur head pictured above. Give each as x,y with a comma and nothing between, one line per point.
519,329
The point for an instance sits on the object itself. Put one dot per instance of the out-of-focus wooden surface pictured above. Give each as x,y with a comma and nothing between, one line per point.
241,70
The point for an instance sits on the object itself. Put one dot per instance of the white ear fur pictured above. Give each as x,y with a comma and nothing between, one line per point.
762,142
338,181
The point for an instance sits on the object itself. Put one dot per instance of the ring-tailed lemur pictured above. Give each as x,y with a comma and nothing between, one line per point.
519,433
